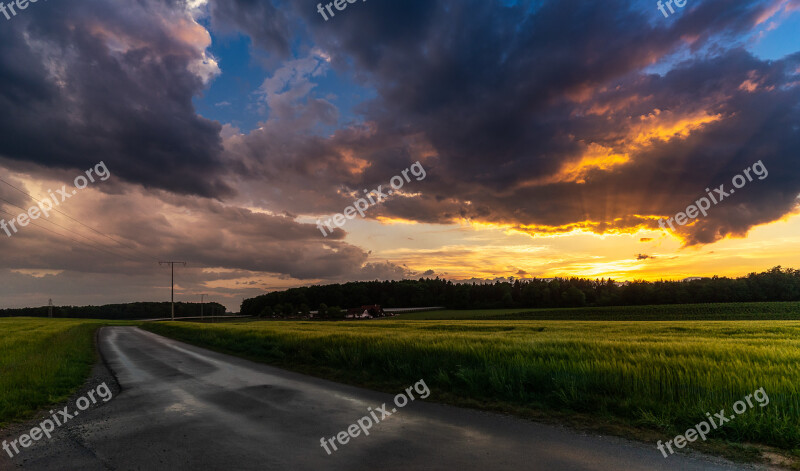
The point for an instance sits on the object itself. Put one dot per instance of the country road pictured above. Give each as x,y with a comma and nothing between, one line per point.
186,408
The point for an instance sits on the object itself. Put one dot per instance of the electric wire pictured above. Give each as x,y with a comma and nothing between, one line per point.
79,222
73,239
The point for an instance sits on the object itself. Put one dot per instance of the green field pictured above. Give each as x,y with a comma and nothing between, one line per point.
42,362
686,312
659,376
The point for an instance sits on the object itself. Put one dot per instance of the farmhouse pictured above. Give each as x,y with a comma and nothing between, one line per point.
365,312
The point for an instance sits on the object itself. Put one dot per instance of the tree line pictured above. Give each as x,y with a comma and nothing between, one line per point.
129,311
777,284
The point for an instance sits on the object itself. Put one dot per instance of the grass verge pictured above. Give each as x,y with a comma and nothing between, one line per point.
42,362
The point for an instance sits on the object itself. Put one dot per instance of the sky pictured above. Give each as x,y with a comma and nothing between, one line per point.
557,138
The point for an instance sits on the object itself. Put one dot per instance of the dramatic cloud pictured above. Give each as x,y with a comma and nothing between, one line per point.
113,81
548,118
264,23
530,117
219,241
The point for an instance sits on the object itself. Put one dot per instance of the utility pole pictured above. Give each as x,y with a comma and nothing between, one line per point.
201,307
50,308
172,266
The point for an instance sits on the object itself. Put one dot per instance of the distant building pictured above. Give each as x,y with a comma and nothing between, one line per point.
692,278
365,312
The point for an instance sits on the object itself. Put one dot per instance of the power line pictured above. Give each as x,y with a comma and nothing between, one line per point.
62,227
79,222
73,239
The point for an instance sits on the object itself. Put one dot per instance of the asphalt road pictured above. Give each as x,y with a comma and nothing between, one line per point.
186,408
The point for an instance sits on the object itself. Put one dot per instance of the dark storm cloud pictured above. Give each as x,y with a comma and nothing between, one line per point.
265,24
206,232
758,111
509,95
486,83
94,80
665,177
503,96
222,245
500,104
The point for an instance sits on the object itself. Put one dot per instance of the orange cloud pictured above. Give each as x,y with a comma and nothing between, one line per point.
597,157
664,126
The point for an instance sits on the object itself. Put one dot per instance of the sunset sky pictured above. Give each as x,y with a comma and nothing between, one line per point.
554,136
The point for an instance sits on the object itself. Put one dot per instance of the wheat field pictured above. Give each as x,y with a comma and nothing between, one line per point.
662,376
